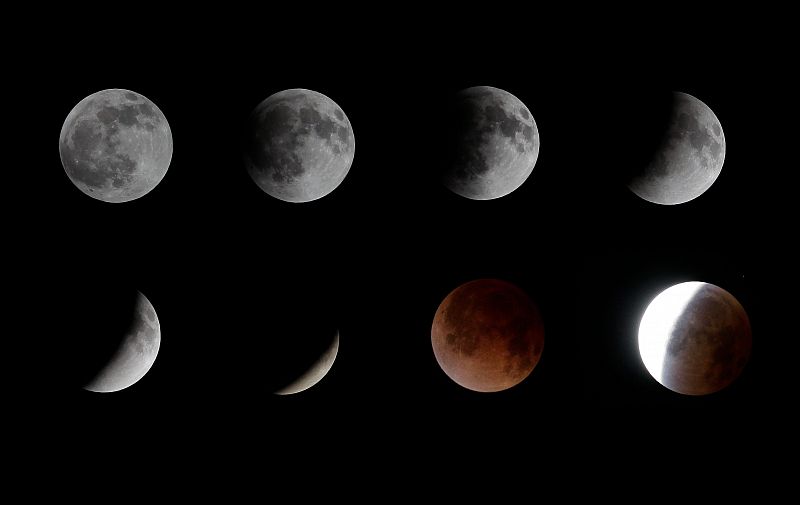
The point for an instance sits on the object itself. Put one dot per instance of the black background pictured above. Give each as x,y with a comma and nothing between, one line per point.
223,263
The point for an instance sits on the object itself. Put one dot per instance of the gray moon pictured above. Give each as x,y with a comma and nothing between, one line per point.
136,353
316,372
695,338
116,145
299,145
496,144
689,158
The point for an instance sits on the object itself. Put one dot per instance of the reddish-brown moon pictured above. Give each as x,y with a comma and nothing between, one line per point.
487,335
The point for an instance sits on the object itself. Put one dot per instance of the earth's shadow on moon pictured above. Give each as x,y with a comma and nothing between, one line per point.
630,279
641,121
96,321
299,146
698,335
287,326
459,137
440,138
478,319
448,138
548,291
296,342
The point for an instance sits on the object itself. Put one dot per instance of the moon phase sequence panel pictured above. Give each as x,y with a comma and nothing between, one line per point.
299,145
488,334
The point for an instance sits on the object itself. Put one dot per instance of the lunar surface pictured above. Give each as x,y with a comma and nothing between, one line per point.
135,354
116,145
299,145
689,158
487,335
695,338
317,371
496,144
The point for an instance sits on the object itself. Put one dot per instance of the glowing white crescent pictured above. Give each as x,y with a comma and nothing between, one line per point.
658,324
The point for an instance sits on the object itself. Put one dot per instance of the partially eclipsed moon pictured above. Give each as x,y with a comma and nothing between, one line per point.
695,338
317,371
689,158
496,144
135,355
299,145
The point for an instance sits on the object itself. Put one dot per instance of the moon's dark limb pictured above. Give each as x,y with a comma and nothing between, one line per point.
134,350
709,345
495,144
689,157
487,335
299,145
115,145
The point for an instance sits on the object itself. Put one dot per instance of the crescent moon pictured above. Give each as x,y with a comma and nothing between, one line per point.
137,352
316,372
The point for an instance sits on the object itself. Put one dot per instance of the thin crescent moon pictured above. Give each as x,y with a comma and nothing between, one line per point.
316,372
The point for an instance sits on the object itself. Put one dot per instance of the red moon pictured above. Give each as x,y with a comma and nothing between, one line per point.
487,335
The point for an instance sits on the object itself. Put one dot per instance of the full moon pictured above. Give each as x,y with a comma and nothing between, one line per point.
695,338
316,372
115,145
689,158
496,144
135,352
299,145
487,335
